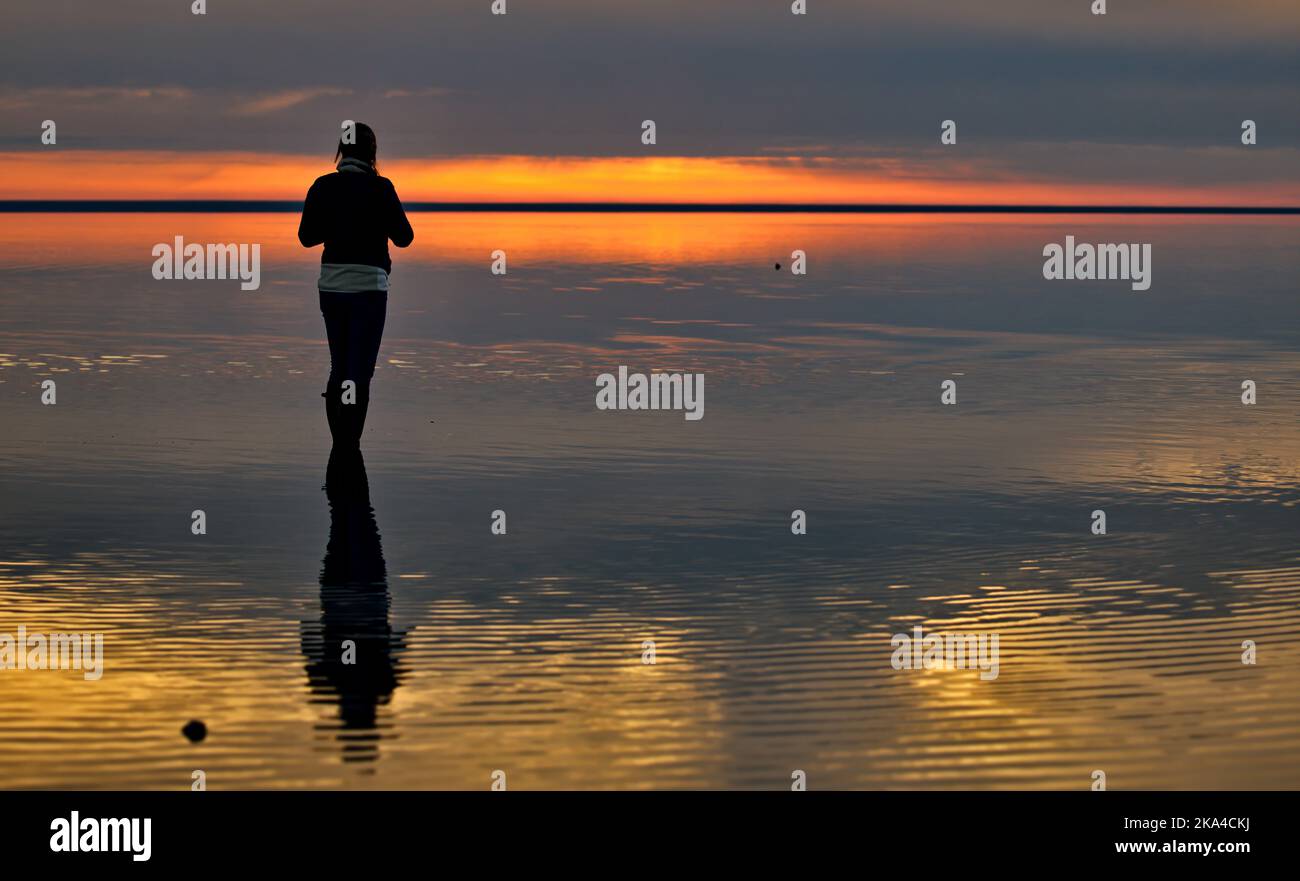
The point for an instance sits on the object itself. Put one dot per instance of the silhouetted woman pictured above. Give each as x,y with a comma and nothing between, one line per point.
355,212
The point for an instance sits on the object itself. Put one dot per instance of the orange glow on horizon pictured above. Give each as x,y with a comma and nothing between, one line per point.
671,179
648,248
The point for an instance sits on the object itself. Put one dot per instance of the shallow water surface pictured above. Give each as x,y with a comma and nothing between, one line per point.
523,652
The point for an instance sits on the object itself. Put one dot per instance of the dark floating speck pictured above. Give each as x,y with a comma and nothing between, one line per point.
778,266
195,730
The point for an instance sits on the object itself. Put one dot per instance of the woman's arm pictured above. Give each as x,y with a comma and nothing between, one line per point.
399,228
311,231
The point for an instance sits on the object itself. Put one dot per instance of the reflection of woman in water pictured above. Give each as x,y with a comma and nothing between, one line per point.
352,651
354,212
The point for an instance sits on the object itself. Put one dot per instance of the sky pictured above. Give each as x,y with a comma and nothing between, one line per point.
751,103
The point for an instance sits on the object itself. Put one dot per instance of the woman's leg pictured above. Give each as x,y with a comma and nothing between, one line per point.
335,312
366,315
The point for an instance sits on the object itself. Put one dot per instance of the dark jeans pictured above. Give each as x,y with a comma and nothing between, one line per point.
355,325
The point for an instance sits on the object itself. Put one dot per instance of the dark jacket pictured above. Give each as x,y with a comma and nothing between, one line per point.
354,214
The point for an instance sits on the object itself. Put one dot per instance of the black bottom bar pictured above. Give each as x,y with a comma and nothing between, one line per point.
651,832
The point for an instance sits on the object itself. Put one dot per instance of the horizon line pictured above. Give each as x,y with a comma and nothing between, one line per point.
189,206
